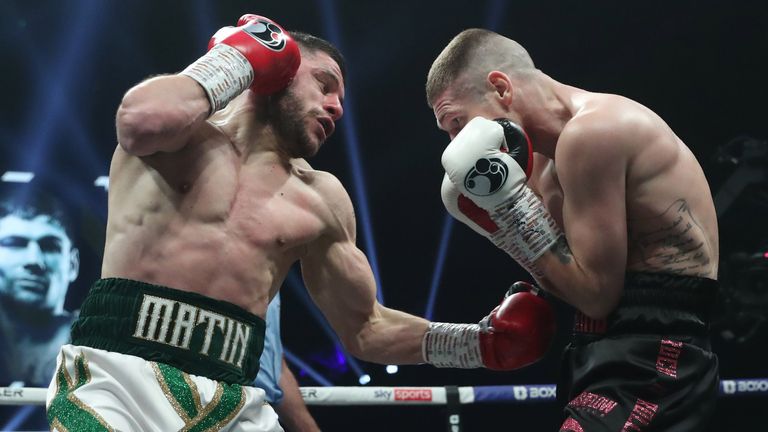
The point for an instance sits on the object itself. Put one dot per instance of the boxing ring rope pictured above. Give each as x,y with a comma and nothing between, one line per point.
515,394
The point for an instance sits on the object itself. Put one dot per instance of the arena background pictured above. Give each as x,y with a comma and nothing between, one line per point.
701,65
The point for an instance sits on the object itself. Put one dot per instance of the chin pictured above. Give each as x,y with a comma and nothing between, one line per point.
305,148
310,151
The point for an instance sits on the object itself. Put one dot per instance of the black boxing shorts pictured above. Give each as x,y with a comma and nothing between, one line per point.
649,366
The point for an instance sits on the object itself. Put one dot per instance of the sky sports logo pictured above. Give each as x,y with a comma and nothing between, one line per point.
413,394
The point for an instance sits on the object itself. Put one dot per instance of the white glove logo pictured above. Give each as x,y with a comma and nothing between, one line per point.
486,177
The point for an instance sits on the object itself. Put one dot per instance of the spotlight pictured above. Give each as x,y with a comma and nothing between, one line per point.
17,176
102,181
391,369
364,379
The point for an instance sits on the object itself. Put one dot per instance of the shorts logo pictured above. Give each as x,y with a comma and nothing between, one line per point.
486,177
669,354
188,327
600,405
267,33
641,416
571,425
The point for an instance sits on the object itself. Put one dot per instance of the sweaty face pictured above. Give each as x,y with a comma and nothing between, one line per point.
305,113
453,111
37,262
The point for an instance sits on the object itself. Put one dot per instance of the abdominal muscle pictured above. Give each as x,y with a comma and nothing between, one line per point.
232,238
198,258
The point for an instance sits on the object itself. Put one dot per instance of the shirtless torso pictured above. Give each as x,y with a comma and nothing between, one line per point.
625,190
671,225
214,219
222,206
636,251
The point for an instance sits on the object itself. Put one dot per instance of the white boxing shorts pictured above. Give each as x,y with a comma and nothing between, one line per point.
146,358
97,390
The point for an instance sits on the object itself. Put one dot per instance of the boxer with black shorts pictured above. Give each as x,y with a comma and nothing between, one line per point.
597,198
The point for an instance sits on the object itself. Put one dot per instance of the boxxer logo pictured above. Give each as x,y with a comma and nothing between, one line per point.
270,35
486,177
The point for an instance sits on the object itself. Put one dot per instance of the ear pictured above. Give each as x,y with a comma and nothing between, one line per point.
501,85
74,264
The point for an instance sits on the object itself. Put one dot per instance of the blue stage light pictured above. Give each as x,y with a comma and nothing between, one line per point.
60,116
297,286
495,12
18,417
307,369
349,129
53,100
437,274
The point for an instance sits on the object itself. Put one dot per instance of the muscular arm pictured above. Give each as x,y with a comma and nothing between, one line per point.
586,267
341,282
159,114
292,410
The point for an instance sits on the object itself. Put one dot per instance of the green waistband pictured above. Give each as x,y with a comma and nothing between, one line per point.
197,334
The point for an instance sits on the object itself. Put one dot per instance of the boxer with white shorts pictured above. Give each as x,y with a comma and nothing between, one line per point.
210,204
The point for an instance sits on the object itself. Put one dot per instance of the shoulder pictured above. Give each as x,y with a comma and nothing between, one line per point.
613,118
331,192
324,183
608,127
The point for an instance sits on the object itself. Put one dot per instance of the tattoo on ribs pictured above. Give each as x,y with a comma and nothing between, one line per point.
672,242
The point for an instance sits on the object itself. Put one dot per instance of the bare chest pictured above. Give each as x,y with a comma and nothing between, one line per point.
264,209
275,218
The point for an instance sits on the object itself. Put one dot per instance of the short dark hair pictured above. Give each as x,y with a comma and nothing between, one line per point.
314,44
28,203
472,54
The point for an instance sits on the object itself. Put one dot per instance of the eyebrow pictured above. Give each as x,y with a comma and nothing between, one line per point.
52,238
332,76
441,119
444,113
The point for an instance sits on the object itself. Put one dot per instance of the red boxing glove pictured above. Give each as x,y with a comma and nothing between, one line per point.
271,51
519,331
257,53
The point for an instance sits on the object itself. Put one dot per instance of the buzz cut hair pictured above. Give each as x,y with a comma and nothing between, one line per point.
469,57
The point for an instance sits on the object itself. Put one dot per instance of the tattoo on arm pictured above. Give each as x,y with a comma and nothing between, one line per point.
562,251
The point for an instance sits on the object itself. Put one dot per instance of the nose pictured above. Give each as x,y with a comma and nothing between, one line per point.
35,260
332,105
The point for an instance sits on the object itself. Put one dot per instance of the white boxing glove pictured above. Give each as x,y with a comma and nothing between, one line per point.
487,166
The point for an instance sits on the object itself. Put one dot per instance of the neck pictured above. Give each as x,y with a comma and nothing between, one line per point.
20,314
245,122
548,107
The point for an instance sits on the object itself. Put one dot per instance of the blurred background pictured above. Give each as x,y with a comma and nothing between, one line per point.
701,65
